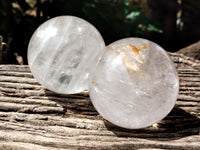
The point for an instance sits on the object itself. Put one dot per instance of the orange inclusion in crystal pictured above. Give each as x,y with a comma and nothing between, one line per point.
143,47
134,49
94,83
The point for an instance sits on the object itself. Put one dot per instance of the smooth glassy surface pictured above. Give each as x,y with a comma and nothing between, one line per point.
134,83
60,53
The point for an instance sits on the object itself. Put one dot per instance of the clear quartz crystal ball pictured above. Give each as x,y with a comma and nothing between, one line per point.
60,53
134,84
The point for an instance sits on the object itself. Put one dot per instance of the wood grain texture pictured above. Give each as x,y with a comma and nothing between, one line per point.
192,50
32,117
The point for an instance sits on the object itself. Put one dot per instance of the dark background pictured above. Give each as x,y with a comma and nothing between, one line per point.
173,24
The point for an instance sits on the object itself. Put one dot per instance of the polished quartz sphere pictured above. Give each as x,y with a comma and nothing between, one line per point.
60,53
134,84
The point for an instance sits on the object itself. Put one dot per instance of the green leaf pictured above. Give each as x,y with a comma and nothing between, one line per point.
151,27
133,15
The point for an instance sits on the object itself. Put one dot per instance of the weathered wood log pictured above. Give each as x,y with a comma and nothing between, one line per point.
192,50
32,117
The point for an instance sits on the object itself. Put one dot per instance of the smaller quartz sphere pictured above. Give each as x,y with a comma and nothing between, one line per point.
60,53
134,83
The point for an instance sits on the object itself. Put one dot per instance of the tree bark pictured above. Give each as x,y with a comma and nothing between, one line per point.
32,117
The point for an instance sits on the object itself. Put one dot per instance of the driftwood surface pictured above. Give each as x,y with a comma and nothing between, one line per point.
191,50
32,117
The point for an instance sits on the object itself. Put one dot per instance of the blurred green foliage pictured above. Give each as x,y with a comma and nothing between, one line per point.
114,19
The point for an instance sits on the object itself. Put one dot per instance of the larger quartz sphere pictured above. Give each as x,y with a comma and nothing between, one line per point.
60,53
134,83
